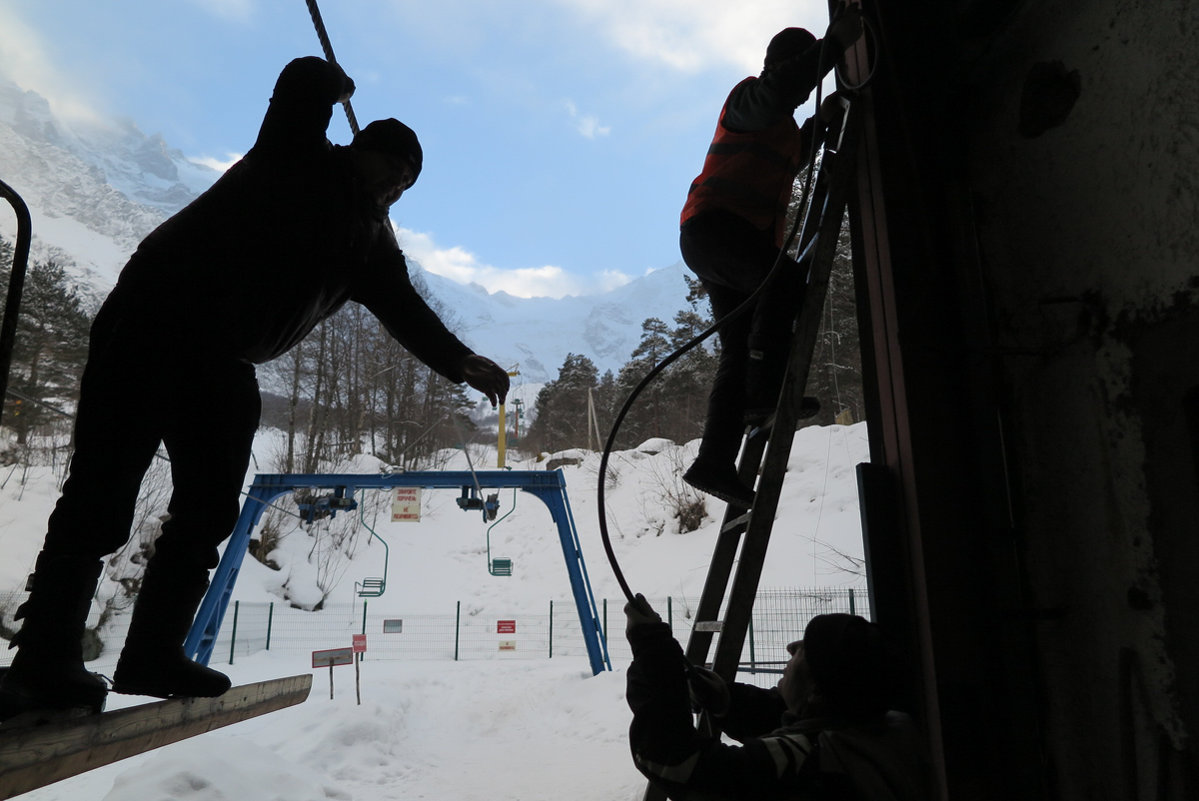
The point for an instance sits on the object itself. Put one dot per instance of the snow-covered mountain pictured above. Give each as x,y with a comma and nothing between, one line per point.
96,188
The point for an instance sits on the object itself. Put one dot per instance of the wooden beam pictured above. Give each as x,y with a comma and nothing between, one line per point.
36,755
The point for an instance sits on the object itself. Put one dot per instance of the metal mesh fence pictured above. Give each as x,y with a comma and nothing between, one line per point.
779,618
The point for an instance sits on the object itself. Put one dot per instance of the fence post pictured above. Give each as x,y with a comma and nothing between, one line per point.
359,657
604,630
270,619
457,625
233,634
551,628
753,660
851,609
669,613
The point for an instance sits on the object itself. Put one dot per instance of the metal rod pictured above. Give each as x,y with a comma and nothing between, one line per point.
16,285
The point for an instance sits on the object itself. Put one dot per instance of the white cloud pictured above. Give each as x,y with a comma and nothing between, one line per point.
25,62
218,164
586,124
690,35
463,267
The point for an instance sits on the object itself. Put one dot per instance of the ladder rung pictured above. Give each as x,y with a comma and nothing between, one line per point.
738,523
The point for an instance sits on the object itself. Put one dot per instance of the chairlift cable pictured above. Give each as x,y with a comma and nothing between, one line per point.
323,35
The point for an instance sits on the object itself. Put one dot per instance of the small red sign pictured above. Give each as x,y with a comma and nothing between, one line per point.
359,643
505,627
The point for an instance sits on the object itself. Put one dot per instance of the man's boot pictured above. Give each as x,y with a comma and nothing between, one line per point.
764,373
719,478
47,674
153,661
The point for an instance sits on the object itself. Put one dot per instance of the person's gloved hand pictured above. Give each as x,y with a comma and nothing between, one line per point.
845,30
638,612
708,691
342,85
486,376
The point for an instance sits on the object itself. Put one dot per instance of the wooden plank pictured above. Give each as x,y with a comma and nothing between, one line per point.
36,755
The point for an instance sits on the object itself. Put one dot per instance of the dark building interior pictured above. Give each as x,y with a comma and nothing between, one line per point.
1026,232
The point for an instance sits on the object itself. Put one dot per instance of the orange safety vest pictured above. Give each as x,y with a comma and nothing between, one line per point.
749,173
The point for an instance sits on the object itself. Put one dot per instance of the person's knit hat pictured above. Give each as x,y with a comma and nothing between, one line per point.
850,663
394,138
787,43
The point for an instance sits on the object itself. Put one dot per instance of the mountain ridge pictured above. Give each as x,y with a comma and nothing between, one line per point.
95,188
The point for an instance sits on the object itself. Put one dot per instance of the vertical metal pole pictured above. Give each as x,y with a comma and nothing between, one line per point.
363,622
551,629
669,612
233,634
502,442
752,658
457,626
16,285
270,619
605,631
851,607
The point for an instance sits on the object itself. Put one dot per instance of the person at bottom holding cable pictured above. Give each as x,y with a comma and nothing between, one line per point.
731,236
825,732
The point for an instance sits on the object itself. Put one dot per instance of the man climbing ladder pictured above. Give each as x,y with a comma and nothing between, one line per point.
732,237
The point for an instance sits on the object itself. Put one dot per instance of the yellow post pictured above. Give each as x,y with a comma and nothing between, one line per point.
503,440
502,444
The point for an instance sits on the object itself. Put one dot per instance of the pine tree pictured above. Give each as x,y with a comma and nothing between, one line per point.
561,420
50,348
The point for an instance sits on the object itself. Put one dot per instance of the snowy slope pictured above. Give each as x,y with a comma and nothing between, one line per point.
530,729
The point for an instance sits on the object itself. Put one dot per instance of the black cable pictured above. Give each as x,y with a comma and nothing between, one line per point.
745,305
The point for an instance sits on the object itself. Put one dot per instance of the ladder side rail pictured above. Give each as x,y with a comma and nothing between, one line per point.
720,569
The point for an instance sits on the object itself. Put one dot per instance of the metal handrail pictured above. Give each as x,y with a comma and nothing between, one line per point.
16,286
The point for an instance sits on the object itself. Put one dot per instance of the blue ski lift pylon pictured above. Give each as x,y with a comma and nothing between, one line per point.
547,485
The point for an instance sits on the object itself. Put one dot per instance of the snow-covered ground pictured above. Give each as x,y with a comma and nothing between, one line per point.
523,729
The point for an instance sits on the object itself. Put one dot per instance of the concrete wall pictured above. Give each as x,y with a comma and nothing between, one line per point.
1084,171
1036,292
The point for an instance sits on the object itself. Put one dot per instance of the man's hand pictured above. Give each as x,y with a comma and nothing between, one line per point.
638,612
343,85
486,376
845,30
708,691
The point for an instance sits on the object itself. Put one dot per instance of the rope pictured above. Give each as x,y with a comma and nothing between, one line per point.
323,35
466,450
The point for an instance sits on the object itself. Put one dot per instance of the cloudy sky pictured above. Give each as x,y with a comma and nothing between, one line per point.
560,136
